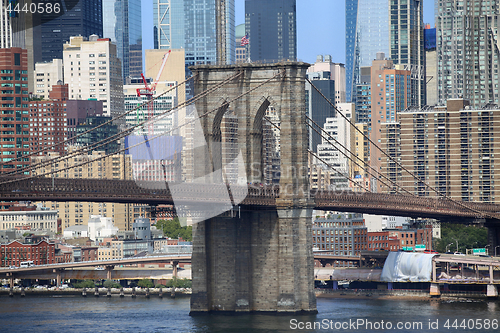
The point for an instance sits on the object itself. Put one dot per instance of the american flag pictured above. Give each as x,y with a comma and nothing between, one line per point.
245,40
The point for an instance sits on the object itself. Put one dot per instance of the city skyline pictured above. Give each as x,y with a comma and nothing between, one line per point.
309,44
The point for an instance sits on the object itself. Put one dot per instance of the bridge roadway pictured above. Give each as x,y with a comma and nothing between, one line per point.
256,197
56,270
79,270
184,258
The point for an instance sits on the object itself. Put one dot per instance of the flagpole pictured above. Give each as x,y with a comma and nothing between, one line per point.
248,52
245,41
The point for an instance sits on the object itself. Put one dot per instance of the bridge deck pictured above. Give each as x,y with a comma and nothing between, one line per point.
255,197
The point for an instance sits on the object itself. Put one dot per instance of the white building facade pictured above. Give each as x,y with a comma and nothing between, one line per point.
100,227
46,75
37,218
337,74
162,124
337,128
93,71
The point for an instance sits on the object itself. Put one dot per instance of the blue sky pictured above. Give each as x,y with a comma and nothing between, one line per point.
320,26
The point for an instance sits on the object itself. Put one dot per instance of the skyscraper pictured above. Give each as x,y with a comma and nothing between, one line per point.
84,19
393,27
16,30
93,70
272,29
431,90
467,51
203,28
367,32
407,44
442,146
122,24
318,108
390,91
15,122
337,73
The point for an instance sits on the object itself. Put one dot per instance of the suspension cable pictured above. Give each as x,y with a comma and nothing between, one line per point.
394,160
280,73
322,160
94,128
335,169
347,156
124,133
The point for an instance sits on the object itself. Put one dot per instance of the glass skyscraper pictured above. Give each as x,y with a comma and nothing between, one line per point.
394,27
407,44
272,30
203,28
122,24
367,32
84,19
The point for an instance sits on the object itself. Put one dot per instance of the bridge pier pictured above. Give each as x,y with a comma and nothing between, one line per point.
58,276
493,237
109,271
435,290
174,264
260,262
492,291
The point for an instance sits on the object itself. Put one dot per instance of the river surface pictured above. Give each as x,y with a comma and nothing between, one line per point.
70,314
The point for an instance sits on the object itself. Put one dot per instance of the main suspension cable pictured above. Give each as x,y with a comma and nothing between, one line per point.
280,73
394,160
124,133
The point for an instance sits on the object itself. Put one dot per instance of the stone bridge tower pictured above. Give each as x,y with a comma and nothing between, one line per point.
259,260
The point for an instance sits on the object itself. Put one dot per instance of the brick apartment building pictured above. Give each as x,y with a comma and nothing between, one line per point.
400,239
15,252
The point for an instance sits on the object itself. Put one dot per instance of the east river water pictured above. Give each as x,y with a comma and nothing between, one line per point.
70,314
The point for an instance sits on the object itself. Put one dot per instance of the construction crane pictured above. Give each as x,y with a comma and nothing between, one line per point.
149,91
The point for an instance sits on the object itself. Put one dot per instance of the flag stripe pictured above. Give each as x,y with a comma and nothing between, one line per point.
245,40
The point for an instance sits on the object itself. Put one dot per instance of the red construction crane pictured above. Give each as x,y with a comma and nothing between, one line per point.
149,91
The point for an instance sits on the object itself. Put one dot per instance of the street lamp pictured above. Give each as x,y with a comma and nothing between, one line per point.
456,240
447,246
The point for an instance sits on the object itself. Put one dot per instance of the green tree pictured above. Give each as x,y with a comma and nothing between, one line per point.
145,283
467,237
179,283
111,284
173,229
84,284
